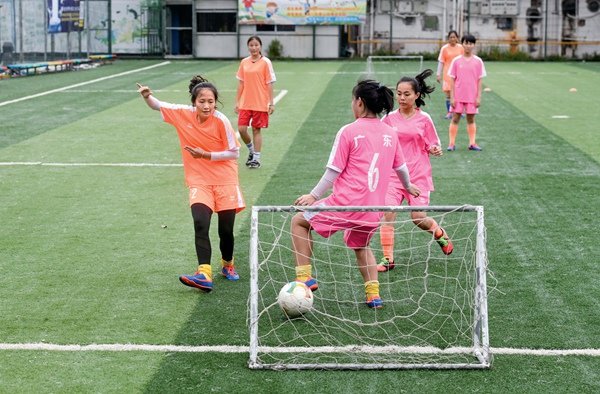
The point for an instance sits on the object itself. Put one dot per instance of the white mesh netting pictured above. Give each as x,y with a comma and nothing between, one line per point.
435,306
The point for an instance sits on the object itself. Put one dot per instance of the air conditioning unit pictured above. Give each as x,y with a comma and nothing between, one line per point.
501,8
420,6
512,7
405,7
384,6
474,7
485,8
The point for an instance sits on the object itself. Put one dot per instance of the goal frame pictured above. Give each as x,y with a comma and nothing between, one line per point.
480,346
404,57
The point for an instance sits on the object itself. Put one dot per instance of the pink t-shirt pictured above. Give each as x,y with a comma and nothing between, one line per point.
466,71
416,135
365,153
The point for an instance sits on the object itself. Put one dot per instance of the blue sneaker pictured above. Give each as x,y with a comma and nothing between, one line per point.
228,271
475,147
374,302
311,283
451,148
198,281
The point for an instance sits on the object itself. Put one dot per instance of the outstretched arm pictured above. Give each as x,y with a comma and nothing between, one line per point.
146,93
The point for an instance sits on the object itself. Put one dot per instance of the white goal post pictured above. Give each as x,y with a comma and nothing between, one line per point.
435,306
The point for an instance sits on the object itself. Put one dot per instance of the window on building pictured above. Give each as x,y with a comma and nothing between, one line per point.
275,27
504,23
286,27
430,23
220,22
265,27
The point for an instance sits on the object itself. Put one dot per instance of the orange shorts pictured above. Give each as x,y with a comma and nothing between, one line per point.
218,197
253,118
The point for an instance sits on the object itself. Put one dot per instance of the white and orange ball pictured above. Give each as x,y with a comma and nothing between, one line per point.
295,299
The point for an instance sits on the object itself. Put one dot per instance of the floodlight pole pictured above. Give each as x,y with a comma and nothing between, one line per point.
391,23
545,28
21,58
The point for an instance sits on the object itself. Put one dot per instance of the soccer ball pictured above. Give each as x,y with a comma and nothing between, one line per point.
295,299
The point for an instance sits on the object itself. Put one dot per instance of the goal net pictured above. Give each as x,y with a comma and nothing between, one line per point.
435,306
389,69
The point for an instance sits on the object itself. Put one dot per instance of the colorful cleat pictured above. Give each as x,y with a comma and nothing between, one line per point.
445,243
250,157
254,164
385,265
475,147
448,115
374,302
311,283
451,148
229,272
198,280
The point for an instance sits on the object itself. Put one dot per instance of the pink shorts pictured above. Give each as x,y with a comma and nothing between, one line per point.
218,197
468,108
395,196
256,119
325,224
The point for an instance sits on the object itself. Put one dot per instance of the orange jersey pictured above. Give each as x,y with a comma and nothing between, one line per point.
214,135
256,77
447,54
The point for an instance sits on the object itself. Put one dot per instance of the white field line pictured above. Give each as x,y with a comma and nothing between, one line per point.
246,349
280,96
82,84
135,91
39,163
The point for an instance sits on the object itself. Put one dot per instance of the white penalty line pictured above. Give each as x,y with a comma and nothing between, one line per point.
39,163
246,349
83,84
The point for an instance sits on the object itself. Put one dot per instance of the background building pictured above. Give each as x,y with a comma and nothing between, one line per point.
219,28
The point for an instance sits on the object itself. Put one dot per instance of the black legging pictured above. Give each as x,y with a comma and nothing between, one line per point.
202,215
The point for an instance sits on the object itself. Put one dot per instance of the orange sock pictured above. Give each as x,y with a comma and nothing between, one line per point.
471,130
452,132
386,235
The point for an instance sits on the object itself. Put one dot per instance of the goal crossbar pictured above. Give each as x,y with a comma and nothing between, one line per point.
371,60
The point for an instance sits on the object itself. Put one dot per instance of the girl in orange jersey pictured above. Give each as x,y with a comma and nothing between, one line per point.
448,52
209,150
254,100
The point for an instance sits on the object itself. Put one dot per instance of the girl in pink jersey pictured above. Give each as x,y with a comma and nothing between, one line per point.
447,53
254,99
418,138
210,151
365,153
466,73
